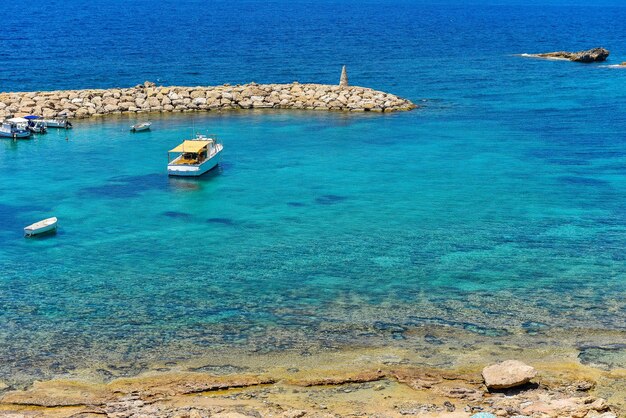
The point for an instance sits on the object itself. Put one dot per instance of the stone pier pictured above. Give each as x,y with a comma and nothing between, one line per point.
148,97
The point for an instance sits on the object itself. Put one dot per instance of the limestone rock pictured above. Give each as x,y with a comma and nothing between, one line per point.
591,55
294,413
508,374
153,102
81,113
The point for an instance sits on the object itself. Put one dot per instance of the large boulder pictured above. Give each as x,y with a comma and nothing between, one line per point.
81,113
508,374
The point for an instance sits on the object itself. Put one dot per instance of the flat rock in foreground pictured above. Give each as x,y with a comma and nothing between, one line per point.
508,374
591,55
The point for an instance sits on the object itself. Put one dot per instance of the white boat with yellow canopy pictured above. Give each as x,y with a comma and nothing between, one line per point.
194,156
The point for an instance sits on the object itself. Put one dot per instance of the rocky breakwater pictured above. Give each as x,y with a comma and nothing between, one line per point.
148,97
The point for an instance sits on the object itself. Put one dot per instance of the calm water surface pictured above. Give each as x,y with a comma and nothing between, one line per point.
497,208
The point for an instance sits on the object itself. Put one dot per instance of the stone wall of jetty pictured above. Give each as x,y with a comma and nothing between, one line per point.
148,97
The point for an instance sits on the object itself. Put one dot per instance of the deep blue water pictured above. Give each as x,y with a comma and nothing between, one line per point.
498,204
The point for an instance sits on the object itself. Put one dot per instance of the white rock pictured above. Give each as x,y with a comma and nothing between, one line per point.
508,374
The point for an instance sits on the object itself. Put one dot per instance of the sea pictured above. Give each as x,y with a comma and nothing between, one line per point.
497,208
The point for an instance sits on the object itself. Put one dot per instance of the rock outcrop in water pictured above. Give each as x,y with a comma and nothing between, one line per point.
148,97
591,55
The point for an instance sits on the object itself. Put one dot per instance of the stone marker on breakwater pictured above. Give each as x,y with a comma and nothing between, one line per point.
148,97
343,80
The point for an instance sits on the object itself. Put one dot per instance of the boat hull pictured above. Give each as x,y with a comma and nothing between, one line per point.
42,227
140,127
188,170
53,123
18,135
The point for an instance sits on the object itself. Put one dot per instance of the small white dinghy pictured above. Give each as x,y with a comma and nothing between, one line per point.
41,227
138,127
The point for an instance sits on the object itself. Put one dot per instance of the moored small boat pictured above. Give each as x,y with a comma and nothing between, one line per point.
143,126
60,122
35,124
41,227
20,123
196,156
13,130
37,127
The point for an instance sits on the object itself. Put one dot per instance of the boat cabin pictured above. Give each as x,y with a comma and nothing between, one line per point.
193,151
194,156
15,130
19,123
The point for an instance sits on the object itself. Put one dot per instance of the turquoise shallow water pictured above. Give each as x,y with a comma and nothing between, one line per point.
497,208
316,229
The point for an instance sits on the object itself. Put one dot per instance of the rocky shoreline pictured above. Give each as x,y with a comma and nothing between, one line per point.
336,384
148,97
389,391
432,372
